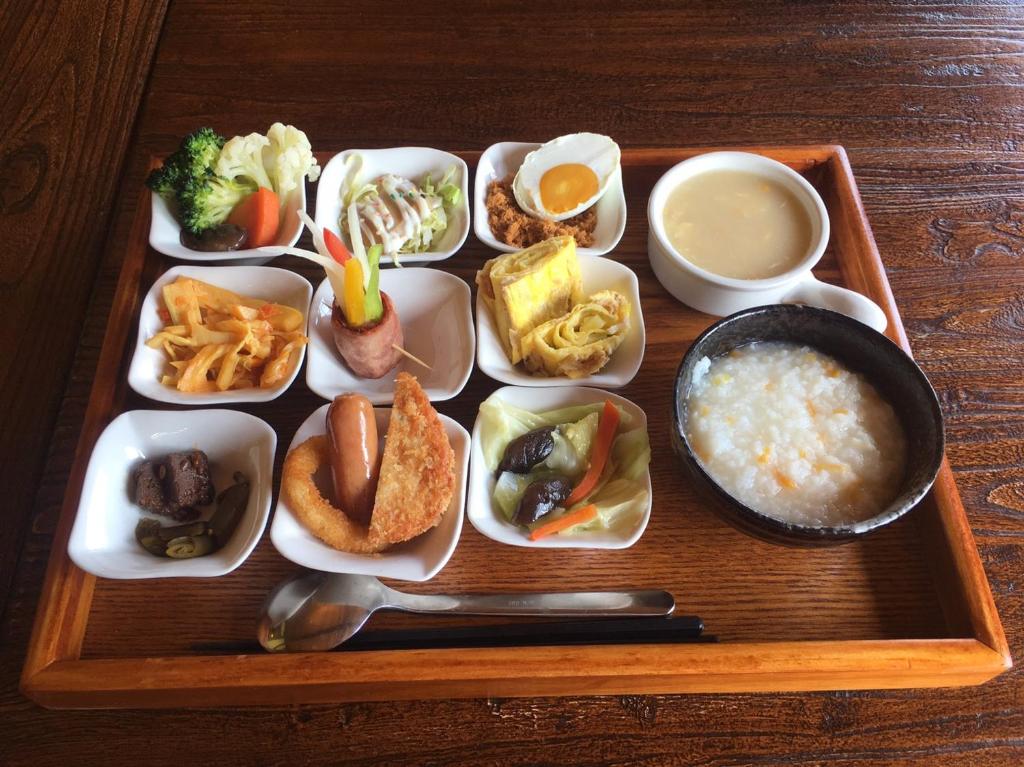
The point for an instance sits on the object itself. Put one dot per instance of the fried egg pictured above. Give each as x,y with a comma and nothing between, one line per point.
565,176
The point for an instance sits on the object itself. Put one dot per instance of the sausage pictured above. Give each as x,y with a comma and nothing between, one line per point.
355,460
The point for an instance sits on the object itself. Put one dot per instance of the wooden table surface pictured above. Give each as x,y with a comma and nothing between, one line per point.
927,99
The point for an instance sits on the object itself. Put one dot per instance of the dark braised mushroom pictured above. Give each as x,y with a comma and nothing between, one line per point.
215,239
526,451
542,497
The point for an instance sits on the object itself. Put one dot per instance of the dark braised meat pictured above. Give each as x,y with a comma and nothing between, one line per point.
174,485
149,490
187,479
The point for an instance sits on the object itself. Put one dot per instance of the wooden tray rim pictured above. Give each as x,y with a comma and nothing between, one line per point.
55,676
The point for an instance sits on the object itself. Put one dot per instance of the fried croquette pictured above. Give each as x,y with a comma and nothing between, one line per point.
512,226
417,473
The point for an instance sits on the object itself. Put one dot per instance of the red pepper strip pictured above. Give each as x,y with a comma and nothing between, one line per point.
606,429
336,247
267,311
582,514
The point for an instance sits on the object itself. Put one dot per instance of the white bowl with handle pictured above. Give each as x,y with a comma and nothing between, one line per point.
714,294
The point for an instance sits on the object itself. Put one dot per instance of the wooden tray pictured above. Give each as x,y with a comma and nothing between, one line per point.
908,607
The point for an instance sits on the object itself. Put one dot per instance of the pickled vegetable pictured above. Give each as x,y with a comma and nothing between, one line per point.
197,539
189,546
147,534
231,504
177,531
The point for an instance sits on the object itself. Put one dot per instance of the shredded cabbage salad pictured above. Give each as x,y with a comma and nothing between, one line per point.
394,212
621,494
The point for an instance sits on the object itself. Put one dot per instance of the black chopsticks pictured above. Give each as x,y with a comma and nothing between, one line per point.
684,628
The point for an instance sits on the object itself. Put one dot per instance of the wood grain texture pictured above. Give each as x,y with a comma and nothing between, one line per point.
825,594
73,77
865,591
927,99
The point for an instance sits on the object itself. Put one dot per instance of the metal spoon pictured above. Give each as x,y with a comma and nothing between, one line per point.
318,611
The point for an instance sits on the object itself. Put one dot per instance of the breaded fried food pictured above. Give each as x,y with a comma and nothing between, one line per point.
417,473
331,525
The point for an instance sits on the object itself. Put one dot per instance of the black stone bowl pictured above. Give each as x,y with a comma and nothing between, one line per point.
861,349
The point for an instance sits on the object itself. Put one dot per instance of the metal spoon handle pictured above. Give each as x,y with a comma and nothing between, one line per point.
567,604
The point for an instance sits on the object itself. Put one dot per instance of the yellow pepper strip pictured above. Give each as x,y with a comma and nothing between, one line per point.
355,297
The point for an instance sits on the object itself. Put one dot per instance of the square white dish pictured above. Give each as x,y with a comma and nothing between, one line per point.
411,162
597,274
265,282
437,325
502,160
480,507
102,539
165,234
417,560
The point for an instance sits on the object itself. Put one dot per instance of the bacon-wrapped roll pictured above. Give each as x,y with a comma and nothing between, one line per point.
369,351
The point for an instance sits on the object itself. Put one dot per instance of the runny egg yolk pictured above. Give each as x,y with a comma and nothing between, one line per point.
563,187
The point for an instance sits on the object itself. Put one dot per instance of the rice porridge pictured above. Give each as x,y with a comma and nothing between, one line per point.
791,433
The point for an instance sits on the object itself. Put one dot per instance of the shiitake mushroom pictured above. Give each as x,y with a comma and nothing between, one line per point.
542,497
216,239
526,451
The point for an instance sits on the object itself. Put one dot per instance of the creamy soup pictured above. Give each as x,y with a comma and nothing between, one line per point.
737,224
792,433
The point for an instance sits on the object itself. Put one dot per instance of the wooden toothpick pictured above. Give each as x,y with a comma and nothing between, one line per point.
411,356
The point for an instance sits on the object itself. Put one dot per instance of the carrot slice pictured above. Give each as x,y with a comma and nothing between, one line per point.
582,514
599,455
259,215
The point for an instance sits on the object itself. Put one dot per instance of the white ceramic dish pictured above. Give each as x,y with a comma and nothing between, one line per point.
417,560
715,294
103,537
437,325
489,521
266,282
598,274
503,160
165,234
411,162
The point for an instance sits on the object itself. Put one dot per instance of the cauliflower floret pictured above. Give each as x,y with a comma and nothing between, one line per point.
242,156
288,157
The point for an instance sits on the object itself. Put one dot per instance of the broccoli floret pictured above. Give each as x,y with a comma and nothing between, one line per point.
207,202
201,150
192,161
166,179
